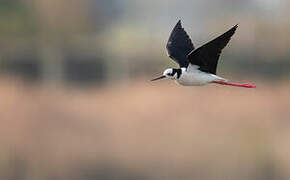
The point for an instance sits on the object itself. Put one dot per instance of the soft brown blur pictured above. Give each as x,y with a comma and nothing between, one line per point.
76,101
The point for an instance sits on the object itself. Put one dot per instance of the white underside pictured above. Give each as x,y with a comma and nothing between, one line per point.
192,76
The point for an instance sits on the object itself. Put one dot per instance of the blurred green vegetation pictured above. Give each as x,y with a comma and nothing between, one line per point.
128,42
16,20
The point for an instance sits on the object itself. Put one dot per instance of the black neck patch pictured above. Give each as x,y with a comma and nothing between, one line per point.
176,71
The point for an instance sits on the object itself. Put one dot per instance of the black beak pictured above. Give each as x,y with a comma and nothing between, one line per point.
161,77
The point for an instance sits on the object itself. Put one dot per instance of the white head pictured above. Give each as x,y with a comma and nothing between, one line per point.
170,74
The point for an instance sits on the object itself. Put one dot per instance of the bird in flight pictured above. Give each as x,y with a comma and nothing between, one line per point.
197,66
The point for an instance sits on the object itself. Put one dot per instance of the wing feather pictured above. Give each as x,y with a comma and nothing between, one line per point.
179,45
207,56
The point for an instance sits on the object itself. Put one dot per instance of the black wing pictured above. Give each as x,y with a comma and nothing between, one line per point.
179,45
206,57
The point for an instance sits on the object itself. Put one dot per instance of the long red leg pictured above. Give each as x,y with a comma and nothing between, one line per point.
247,85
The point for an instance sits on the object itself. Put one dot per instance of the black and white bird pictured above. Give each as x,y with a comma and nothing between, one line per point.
197,66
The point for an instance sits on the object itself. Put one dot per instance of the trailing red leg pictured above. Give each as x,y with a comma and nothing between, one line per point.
247,85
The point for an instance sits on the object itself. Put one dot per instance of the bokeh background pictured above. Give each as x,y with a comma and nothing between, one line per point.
76,101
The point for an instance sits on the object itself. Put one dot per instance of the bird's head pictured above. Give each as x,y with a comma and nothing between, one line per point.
169,74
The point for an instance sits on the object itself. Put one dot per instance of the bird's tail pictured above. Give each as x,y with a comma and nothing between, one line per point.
217,78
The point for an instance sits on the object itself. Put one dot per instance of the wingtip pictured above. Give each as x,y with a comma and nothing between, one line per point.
178,24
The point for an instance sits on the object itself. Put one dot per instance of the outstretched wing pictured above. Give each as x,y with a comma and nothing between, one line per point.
207,56
179,45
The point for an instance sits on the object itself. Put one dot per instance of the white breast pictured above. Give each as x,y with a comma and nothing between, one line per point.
192,76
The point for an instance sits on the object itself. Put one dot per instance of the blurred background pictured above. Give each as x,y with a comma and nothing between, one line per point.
76,101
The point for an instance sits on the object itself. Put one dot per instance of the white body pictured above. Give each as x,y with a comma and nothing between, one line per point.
192,76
